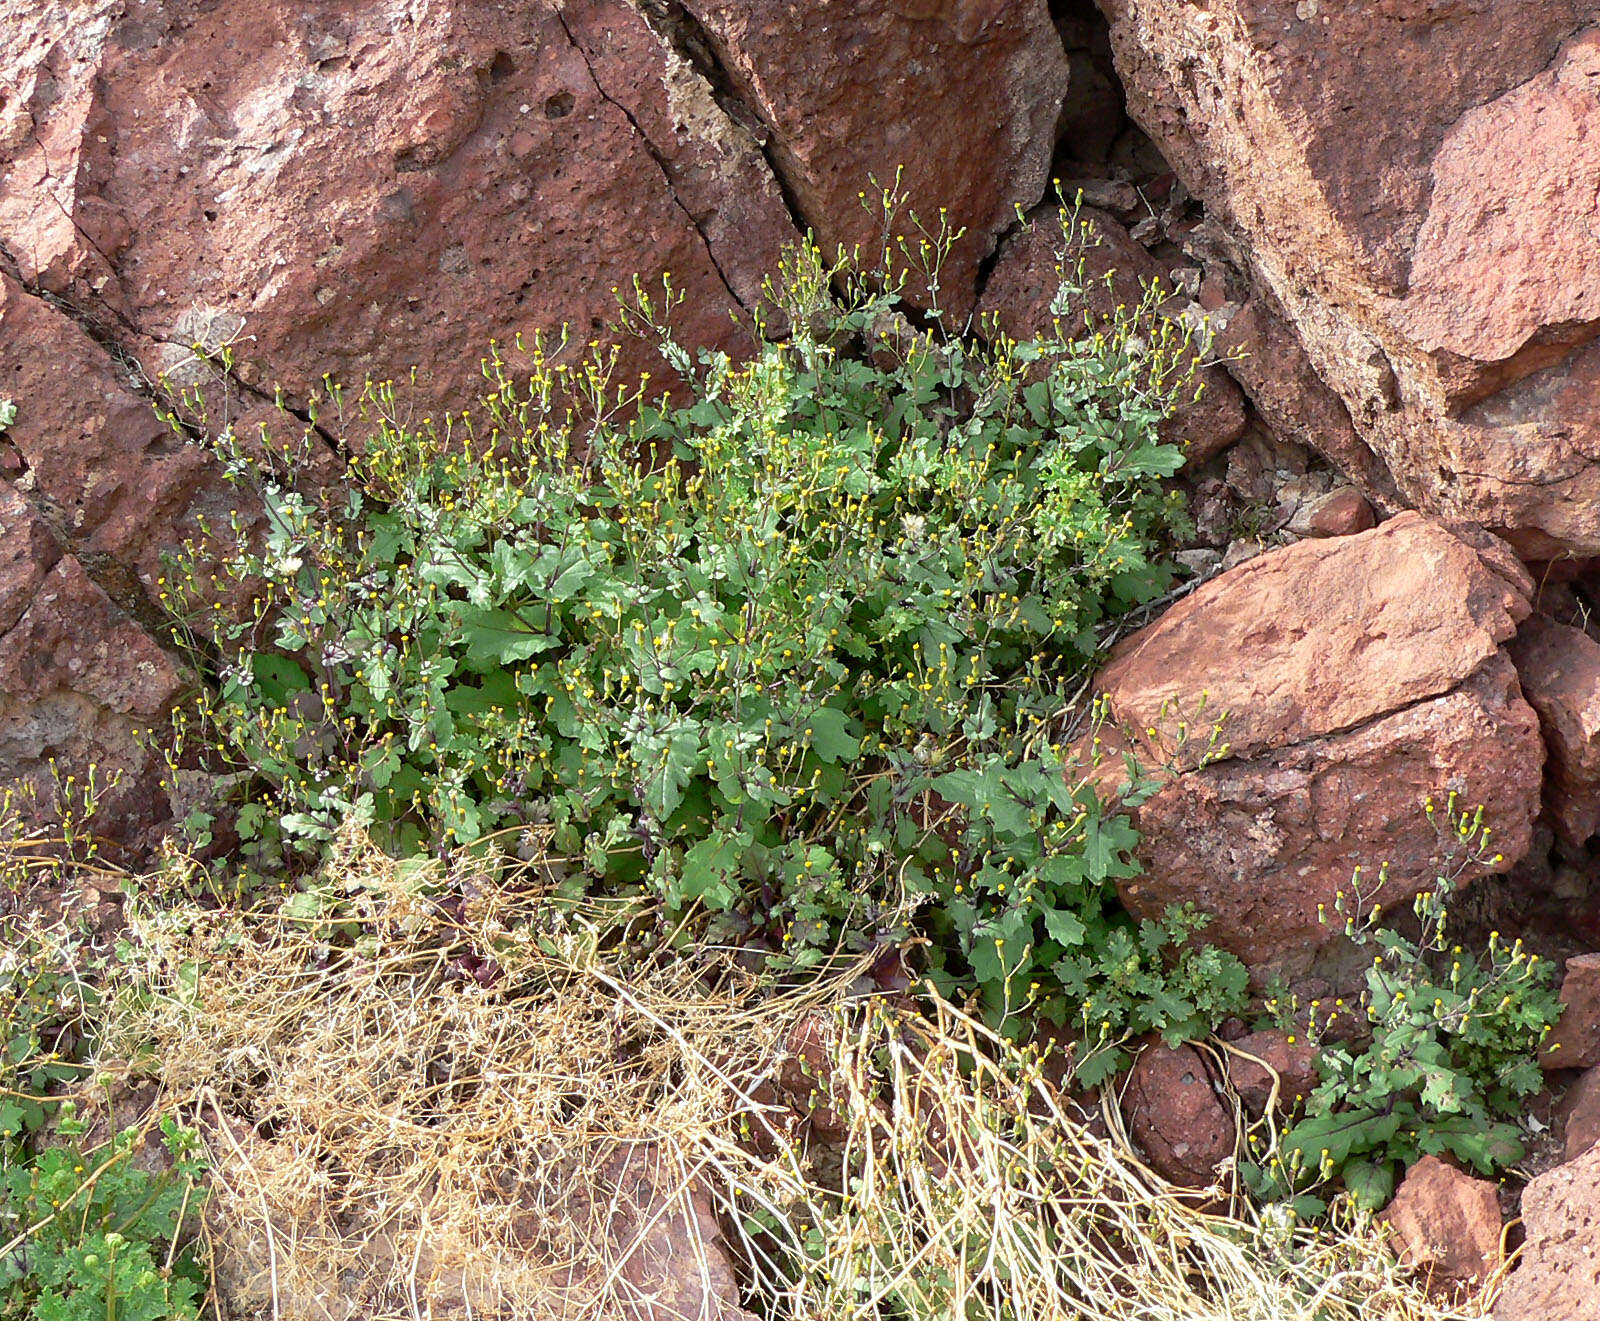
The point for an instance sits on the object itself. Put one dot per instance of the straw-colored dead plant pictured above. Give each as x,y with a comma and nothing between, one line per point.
434,1091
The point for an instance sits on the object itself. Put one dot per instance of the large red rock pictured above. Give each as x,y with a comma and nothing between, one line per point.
1559,667
1580,1114
1429,233
964,96
1115,273
1575,1041
360,189
82,686
28,551
1176,1116
1558,1277
1320,637
1447,1223
1352,678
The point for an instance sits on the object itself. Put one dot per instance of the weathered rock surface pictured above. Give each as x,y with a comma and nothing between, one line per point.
1115,272
1447,1223
965,97
1559,667
80,684
1272,1068
362,189
1430,233
1575,1041
94,487
1580,1114
1558,1278
1321,637
1263,355
1175,1115
91,453
1352,677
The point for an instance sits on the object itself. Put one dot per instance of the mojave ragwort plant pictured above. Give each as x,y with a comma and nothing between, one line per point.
793,644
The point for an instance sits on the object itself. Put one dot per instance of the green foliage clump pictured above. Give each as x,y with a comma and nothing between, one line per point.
794,647
88,1235
1453,1052
46,1013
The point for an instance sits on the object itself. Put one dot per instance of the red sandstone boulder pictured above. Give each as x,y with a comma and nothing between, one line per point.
1176,1116
97,488
1580,1114
1559,668
964,97
1447,1224
1352,678
1116,271
360,189
1575,1042
1416,186
1558,1277
1320,637
1272,1068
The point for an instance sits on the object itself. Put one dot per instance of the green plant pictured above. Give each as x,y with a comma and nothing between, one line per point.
88,1235
1453,1050
46,1010
798,649
49,999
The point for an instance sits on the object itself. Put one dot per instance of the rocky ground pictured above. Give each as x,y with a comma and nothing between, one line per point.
1388,213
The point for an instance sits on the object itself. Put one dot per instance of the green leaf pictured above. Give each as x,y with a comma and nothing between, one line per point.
559,573
1371,1182
830,732
711,869
498,637
279,677
1065,927
1341,1135
671,762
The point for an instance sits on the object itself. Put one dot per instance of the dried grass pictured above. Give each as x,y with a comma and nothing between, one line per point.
393,1139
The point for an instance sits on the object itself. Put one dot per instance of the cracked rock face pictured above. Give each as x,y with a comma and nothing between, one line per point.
964,94
1351,678
1418,188
80,681
362,189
